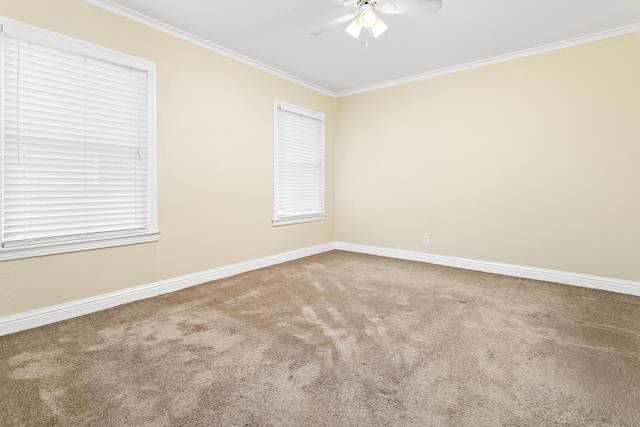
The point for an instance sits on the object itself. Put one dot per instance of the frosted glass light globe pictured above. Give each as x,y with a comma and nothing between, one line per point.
368,18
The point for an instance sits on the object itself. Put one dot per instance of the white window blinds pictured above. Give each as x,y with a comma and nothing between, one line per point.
299,165
75,143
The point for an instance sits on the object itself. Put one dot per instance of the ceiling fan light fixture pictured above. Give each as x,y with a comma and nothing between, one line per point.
354,28
378,28
368,18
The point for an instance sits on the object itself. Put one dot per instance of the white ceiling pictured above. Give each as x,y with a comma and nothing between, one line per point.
276,34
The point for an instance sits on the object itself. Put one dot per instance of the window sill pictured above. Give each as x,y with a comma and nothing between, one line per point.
83,245
298,219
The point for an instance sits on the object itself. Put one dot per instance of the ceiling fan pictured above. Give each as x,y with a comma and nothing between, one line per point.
365,14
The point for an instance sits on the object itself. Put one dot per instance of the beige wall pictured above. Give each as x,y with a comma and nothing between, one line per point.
533,162
215,166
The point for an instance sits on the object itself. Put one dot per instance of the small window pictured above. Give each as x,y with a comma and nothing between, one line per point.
77,145
299,165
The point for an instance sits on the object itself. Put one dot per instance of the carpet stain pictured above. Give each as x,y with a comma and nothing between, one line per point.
340,338
318,286
337,284
51,399
188,328
248,295
36,365
315,266
335,315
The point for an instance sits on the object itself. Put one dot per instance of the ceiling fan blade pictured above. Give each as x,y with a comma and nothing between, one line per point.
333,23
345,3
430,7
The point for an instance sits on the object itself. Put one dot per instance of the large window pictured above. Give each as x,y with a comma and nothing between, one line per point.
77,147
299,165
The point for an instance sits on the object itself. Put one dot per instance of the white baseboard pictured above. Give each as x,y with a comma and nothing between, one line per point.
574,279
45,316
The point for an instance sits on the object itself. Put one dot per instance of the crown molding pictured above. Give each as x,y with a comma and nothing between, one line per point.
590,38
125,12
117,9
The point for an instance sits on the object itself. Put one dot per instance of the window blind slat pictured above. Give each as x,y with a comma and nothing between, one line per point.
69,118
68,145
57,93
48,74
15,215
64,231
68,104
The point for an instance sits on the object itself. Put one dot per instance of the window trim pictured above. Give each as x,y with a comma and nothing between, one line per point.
71,44
296,219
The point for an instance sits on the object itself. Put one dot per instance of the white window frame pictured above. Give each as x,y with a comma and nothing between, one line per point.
80,47
279,220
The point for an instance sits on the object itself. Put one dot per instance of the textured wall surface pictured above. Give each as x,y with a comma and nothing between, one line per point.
530,162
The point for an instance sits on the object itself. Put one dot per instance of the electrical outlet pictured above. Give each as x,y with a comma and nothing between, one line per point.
425,240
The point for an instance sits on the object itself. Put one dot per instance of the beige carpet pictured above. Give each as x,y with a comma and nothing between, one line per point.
337,339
